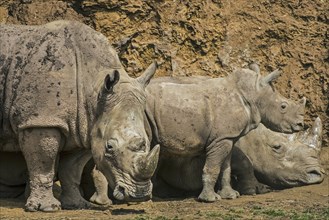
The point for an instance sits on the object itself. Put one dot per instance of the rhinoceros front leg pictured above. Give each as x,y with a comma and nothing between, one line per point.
71,165
246,183
216,155
40,149
101,188
227,192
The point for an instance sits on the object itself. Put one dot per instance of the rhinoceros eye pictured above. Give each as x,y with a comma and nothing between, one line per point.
108,147
277,148
283,106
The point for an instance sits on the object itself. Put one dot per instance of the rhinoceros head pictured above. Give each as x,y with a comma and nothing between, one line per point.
120,145
290,160
277,112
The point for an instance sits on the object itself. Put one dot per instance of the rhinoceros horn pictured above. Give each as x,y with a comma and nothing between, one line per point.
270,77
314,138
145,78
148,163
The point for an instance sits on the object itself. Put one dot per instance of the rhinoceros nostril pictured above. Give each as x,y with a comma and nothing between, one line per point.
301,124
119,193
121,190
314,173
108,147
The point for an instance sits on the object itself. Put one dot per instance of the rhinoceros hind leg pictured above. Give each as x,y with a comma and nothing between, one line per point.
217,153
71,165
40,148
227,192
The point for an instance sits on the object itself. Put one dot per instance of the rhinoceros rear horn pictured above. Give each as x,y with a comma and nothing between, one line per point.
110,80
145,78
270,77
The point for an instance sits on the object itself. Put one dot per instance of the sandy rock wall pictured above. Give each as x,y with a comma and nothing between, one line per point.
209,37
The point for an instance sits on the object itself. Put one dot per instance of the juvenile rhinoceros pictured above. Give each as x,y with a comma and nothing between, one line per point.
63,89
278,160
198,123
201,124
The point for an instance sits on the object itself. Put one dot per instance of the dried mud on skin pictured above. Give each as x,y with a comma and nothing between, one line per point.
209,37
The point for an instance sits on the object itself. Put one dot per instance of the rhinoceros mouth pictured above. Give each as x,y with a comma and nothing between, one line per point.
128,189
314,175
297,127
129,192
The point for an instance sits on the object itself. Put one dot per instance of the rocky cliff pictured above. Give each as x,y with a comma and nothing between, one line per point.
209,37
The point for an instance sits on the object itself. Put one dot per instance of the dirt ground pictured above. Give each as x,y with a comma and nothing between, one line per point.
307,202
206,38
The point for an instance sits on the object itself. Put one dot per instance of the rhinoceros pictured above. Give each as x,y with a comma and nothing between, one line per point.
64,97
277,160
198,123
207,118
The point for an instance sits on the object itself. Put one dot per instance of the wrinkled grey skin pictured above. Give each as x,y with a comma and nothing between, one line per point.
197,123
63,89
278,160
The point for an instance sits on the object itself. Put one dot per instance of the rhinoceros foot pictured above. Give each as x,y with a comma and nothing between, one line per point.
262,188
208,196
229,193
100,199
256,188
75,203
71,203
43,203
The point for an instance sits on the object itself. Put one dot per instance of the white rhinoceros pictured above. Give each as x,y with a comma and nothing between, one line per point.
277,160
64,90
205,119
198,121
260,157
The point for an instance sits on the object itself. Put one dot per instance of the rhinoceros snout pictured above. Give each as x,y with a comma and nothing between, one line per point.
315,175
298,126
122,194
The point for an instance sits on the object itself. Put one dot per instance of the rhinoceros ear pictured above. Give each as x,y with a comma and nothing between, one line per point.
145,78
254,67
270,77
110,80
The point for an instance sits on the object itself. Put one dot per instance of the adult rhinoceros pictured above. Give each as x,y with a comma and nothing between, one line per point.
63,89
278,160
197,123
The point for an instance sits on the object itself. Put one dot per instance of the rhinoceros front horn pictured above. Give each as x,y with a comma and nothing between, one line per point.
315,135
312,136
148,163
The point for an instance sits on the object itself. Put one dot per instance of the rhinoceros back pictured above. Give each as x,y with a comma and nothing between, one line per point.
50,75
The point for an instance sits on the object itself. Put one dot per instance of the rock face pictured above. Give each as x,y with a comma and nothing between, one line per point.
207,38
